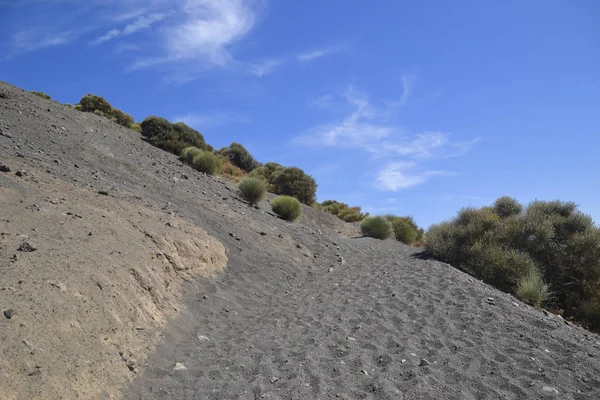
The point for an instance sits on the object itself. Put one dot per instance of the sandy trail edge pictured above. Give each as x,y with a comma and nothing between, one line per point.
90,301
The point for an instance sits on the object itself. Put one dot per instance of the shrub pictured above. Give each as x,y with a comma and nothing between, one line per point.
506,207
41,94
253,189
188,154
505,245
292,181
404,232
172,137
341,210
532,289
286,207
230,171
266,172
206,162
239,156
136,127
497,266
99,106
377,227
589,313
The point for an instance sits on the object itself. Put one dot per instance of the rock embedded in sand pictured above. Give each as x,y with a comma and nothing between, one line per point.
4,168
27,247
179,367
9,313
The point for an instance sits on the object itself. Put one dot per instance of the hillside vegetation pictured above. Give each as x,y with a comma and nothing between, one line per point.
548,253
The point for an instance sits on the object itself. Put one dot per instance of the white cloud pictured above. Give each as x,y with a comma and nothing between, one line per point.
200,121
142,22
266,67
402,175
207,28
318,53
370,129
36,39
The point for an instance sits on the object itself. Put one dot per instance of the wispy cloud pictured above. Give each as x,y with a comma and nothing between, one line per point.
371,129
35,39
319,53
201,121
402,175
266,66
140,23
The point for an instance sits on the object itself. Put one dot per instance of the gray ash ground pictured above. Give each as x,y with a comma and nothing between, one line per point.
305,310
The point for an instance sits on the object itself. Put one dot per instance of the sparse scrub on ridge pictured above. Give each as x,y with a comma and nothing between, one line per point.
377,227
253,189
505,244
506,207
172,137
406,230
188,154
286,207
206,162
41,94
341,210
230,171
532,289
288,181
99,106
239,156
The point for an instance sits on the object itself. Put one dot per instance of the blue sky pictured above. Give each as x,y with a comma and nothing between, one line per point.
415,108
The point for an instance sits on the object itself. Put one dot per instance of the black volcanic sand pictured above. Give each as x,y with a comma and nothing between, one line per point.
304,311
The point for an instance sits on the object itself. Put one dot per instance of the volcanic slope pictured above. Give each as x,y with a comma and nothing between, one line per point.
304,310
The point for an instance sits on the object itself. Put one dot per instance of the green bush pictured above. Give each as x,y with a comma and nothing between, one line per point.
41,94
288,181
404,232
292,181
532,289
377,227
498,266
504,245
172,137
188,154
506,207
253,189
589,313
239,156
136,127
206,162
341,210
286,207
266,172
99,106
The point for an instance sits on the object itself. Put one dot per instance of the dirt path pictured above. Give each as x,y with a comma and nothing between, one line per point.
385,325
